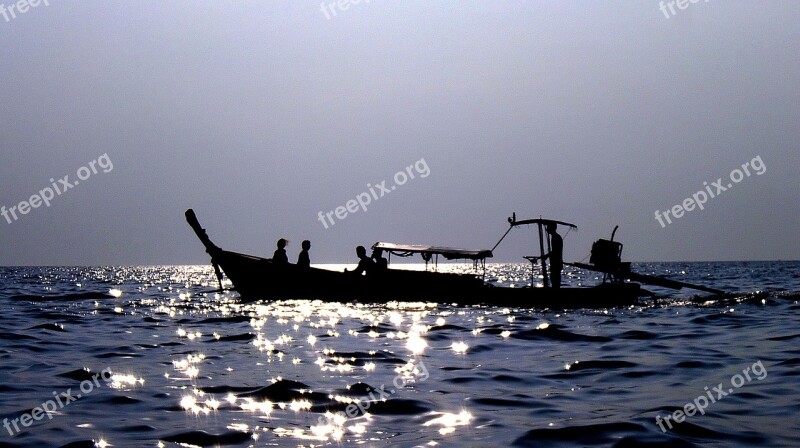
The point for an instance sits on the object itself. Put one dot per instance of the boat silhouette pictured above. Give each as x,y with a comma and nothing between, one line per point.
257,278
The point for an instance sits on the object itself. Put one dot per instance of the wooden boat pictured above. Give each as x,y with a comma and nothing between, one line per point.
256,278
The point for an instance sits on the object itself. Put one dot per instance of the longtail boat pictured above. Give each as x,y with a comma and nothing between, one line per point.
257,278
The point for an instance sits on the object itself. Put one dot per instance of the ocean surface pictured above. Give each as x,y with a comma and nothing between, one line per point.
154,357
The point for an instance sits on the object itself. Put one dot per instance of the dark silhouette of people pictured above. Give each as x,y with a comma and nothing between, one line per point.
279,257
556,255
381,264
365,263
303,260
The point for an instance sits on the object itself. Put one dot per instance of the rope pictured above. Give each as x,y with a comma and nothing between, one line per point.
502,238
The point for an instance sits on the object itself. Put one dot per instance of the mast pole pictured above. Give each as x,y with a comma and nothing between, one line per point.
541,251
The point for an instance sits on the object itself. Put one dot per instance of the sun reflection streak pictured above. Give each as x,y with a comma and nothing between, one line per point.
231,398
396,318
415,343
459,347
263,407
282,332
333,427
300,405
449,421
197,403
188,366
119,381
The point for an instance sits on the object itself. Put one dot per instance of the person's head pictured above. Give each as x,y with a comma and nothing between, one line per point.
306,245
551,227
361,251
377,253
282,243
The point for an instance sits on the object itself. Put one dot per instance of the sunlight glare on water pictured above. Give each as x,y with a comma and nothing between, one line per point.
195,367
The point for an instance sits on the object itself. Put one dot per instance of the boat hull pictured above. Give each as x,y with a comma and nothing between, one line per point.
259,279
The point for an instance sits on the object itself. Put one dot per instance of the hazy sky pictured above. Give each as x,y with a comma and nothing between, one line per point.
261,114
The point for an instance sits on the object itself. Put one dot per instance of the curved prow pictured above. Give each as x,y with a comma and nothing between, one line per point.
211,248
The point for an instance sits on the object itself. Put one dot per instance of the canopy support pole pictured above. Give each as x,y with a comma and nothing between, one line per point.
541,250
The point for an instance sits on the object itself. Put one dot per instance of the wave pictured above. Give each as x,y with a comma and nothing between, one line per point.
202,438
89,295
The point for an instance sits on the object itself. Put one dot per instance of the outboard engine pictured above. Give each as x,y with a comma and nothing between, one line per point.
607,256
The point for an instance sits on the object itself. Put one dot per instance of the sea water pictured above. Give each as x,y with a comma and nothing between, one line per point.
153,356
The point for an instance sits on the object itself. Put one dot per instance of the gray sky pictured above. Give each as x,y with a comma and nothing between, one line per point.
260,114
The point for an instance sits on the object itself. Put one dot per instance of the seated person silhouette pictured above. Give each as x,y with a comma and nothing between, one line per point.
365,263
381,264
303,260
279,257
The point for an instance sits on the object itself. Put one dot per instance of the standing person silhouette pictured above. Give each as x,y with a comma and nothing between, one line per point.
279,257
556,255
303,260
